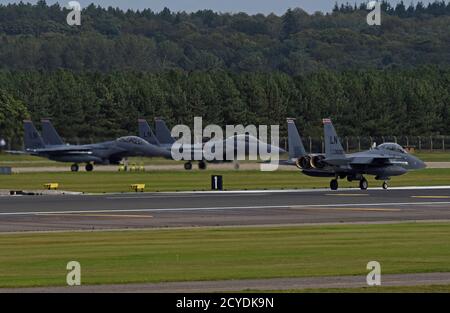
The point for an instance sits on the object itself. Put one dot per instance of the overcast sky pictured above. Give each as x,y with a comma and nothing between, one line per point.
249,6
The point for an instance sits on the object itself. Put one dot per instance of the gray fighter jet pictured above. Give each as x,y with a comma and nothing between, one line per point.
383,161
109,152
165,140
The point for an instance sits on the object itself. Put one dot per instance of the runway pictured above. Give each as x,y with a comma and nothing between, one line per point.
419,279
194,209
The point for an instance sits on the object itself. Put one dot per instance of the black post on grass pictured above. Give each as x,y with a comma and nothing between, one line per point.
216,182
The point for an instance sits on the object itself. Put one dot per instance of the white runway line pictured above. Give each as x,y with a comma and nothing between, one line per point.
109,195
227,208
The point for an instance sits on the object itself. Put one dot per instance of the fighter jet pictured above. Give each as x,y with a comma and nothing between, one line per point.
383,161
109,152
165,140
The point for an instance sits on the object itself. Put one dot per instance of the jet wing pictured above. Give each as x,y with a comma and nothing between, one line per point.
61,150
370,160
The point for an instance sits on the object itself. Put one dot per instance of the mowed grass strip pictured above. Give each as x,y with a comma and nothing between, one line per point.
98,182
40,259
30,161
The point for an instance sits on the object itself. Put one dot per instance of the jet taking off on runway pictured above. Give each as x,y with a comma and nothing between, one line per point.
165,140
110,152
383,161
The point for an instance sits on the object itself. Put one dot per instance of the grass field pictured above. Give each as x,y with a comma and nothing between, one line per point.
97,182
40,259
32,161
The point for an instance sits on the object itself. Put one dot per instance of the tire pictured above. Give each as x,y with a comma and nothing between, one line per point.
385,186
236,166
202,165
89,167
363,184
74,167
188,166
334,185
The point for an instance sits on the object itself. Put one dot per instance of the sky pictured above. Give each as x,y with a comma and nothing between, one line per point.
248,6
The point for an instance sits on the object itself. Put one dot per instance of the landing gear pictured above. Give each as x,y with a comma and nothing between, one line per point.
89,167
74,167
188,166
236,166
385,185
202,165
334,185
363,184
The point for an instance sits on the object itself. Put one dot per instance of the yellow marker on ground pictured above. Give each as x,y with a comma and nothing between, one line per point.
138,187
51,186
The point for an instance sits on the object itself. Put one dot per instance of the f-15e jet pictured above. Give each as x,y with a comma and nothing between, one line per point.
164,139
383,161
109,152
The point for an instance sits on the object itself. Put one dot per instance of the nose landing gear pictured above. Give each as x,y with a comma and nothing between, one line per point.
202,165
385,185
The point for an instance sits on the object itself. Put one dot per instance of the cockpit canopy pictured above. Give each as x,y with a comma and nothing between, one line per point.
392,147
133,140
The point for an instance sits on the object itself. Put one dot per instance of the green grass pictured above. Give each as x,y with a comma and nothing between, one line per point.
40,259
436,156
96,182
33,161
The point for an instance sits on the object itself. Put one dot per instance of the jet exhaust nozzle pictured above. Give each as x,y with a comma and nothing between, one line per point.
318,162
304,163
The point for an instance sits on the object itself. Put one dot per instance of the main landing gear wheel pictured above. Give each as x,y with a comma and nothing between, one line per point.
236,166
74,167
89,167
188,166
334,185
363,184
385,185
202,165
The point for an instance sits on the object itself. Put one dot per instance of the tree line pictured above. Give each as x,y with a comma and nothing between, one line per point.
107,105
37,37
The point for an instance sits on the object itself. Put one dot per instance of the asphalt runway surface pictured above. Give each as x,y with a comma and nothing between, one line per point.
388,280
195,209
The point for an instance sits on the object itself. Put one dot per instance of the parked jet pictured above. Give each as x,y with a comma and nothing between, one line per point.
164,139
110,152
383,161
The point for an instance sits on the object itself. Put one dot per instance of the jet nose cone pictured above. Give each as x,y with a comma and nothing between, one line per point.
419,164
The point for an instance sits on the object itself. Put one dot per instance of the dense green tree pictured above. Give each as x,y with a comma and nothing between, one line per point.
12,112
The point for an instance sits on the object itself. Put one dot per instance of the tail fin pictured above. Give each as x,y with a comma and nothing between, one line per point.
296,148
146,133
333,147
32,138
50,135
163,133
